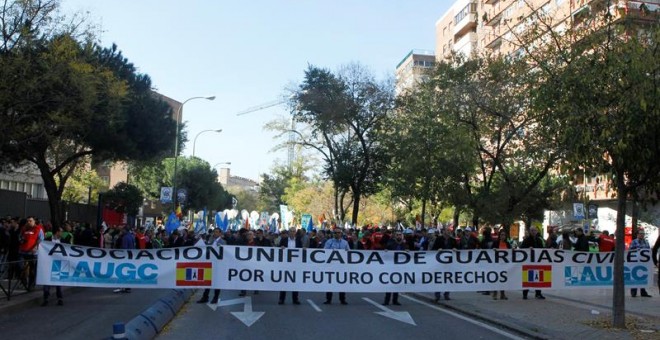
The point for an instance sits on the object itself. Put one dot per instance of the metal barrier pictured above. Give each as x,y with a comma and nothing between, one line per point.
12,276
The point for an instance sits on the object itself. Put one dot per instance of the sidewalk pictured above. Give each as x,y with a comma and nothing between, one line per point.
565,314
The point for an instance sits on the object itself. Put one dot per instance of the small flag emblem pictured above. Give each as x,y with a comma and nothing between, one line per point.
194,274
537,276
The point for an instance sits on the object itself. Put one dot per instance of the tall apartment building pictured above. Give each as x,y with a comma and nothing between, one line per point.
412,69
490,26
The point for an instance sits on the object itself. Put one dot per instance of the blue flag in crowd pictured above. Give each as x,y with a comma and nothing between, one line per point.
273,225
218,220
225,223
200,224
310,225
172,223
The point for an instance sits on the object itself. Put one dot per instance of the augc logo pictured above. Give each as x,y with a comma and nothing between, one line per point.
603,275
100,272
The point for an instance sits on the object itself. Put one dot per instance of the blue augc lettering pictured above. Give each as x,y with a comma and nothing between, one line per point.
100,272
577,276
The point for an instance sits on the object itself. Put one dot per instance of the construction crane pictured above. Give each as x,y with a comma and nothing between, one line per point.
262,106
292,136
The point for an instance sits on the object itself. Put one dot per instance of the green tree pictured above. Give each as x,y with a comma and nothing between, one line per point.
607,103
193,174
124,198
68,100
84,186
442,151
344,112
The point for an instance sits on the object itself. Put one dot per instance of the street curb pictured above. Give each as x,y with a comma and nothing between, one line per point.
487,319
151,321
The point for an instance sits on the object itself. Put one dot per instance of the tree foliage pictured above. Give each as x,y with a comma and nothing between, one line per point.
344,111
607,106
124,198
62,100
84,186
193,174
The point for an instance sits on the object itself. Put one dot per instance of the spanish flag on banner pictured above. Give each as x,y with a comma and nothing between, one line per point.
537,276
194,274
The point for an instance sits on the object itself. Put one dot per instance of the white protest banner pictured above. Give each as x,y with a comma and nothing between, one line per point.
277,269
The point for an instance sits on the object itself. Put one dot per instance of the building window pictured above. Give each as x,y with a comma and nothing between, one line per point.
470,8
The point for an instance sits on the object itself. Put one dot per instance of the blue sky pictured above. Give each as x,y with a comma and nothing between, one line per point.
247,53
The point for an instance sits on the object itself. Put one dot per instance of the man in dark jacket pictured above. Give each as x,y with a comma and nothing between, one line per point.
395,243
444,241
289,240
581,243
533,240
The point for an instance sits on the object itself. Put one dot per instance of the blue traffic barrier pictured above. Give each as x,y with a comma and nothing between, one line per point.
119,331
153,319
140,328
159,314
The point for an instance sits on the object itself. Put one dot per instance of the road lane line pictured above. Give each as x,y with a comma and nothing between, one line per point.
456,315
311,303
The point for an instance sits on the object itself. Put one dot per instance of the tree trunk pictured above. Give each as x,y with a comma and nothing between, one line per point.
635,217
475,222
54,195
356,206
618,302
342,211
457,213
336,210
423,211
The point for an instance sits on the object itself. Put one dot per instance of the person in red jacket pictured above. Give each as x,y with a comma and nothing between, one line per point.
141,239
605,242
30,237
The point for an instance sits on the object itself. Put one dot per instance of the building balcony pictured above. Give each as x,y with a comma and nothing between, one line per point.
467,24
638,10
492,16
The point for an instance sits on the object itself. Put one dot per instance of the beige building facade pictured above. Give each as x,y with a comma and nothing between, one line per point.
412,69
491,26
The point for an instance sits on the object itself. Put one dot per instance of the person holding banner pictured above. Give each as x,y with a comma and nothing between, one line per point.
289,240
56,237
502,243
533,240
639,243
216,242
395,243
337,242
261,240
445,241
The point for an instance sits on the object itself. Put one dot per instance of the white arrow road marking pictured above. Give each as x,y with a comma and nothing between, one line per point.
483,325
311,303
247,316
399,316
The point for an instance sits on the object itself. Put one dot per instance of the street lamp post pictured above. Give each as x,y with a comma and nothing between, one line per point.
195,140
176,143
221,163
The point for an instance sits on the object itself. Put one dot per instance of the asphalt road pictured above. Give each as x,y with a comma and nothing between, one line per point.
260,317
88,313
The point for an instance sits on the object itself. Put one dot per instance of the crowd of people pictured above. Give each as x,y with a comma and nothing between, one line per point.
20,237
